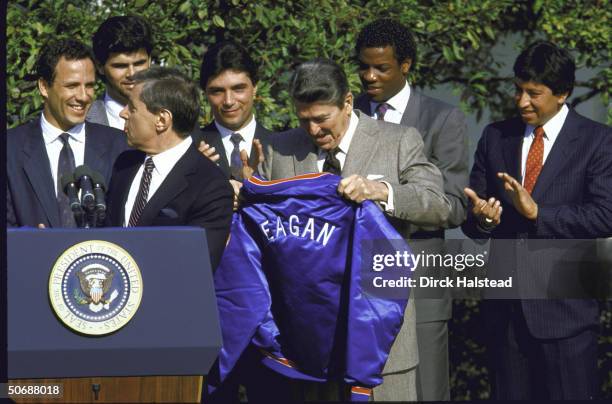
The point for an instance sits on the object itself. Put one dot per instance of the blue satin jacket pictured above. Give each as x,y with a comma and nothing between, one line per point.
290,283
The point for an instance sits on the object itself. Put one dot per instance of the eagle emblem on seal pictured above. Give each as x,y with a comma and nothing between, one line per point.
95,281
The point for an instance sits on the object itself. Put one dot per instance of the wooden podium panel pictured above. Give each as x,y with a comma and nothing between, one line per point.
150,389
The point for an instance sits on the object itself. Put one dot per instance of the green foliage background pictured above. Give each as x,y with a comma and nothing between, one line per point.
455,40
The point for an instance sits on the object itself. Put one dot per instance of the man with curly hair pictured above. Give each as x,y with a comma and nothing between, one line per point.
386,51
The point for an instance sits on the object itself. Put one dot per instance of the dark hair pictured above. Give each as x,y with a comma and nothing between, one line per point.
223,56
121,34
387,32
544,62
319,80
167,88
52,52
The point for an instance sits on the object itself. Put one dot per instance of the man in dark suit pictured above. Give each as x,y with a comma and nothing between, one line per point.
386,50
122,46
166,181
551,171
229,78
40,152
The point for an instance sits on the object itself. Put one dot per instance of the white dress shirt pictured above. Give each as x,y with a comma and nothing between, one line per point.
164,162
343,149
247,133
113,108
551,131
397,103
54,145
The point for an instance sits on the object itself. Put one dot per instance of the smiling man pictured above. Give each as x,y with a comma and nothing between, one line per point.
122,46
379,161
229,78
39,153
550,170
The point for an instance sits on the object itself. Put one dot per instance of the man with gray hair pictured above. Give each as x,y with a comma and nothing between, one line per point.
166,181
378,161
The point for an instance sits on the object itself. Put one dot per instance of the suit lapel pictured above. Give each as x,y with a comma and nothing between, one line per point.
212,136
364,142
305,160
96,152
558,156
363,104
38,171
122,186
260,133
97,113
172,185
412,112
513,142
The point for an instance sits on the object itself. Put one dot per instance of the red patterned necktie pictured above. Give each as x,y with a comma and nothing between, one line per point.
535,159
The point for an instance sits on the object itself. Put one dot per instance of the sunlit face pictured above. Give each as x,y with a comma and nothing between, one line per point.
231,95
69,96
382,76
325,123
140,123
119,69
536,102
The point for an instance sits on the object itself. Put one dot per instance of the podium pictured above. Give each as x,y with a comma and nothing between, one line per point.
161,352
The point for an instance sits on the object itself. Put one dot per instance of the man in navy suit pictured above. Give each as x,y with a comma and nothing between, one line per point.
39,152
165,181
229,79
550,172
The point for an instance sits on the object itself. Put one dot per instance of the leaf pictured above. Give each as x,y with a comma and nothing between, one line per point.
218,21
140,3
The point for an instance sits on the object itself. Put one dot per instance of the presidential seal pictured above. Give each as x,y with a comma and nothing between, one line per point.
95,287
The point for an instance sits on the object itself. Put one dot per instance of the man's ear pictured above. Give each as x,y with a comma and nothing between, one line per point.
43,87
562,98
405,66
163,121
348,103
100,69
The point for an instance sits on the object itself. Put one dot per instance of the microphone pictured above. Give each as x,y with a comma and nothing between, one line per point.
70,189
83,175
99,189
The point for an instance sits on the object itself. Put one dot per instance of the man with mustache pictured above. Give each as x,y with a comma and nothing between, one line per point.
122,46
550,170
386,51
39,153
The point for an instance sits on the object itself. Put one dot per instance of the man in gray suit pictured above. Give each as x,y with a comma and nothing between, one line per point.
379,161
386,50
122,46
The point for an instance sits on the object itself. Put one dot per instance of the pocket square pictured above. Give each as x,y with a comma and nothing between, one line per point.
168,212
374,177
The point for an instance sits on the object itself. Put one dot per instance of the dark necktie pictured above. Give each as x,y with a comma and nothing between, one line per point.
535,159
332,164
143,192
381,110
65,165
235,161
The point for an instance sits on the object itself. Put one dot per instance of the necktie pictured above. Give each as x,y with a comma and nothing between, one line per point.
65,165
235,161
381,110
332,164
535,159
143,192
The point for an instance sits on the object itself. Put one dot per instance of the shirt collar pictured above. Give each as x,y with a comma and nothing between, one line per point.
552,127
165,161
247,133
51,133
113,106
398,102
